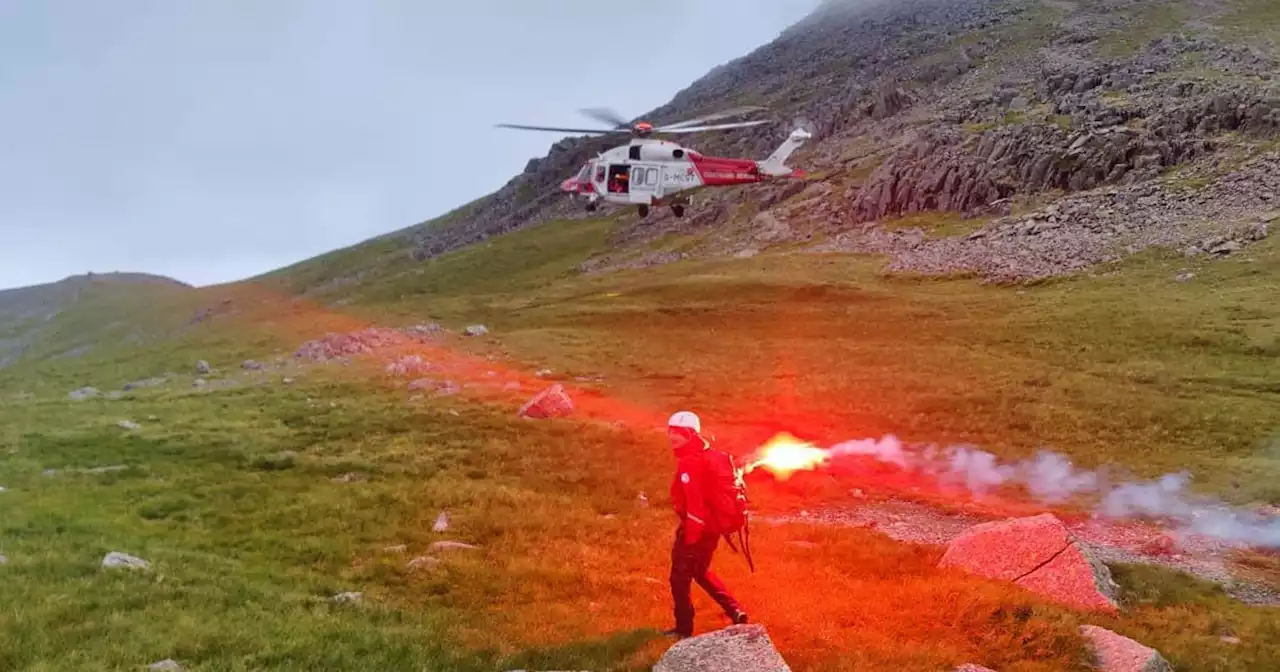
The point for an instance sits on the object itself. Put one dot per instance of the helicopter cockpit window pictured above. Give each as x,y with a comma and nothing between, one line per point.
600,173
585,173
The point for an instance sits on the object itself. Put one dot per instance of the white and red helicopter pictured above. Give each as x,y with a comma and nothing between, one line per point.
649,172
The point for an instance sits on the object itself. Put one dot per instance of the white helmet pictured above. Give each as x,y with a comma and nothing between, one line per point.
686,419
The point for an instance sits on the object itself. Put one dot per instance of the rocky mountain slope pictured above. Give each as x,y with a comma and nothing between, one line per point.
1062,134
1015,139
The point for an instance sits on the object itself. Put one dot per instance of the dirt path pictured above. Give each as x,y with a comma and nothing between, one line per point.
1126,542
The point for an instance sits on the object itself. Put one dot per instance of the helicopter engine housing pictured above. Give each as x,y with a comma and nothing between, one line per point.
662,151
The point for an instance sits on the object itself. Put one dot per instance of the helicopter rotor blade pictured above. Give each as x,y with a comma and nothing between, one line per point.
594,131
734,112
605,115
699,129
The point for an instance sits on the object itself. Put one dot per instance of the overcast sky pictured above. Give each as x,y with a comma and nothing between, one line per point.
211,140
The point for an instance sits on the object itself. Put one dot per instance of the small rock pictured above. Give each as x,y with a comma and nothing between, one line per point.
199,382
442,522
398,548
550,403
449,388
451,546
642,500
543,373
476,330
1184,276
970,667
1116,653
287,381
746,254
118,559
424,562
1226,247
1226,639
203,367
3,560
128,425
1163,545
168,665
420,384
83,393
347,597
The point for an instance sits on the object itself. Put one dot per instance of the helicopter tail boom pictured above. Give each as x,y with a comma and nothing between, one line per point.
776,164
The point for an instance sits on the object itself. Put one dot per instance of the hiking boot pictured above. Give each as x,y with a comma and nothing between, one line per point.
673,632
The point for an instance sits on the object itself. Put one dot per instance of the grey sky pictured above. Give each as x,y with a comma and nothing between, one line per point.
213,140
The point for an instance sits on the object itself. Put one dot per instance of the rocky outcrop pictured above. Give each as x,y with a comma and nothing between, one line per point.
737,648
332,346
1087,228
1117,653
1039,554
364,341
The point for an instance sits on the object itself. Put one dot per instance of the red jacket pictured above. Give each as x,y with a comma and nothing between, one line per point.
688,490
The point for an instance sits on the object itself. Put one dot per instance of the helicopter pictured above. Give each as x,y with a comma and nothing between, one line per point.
648,172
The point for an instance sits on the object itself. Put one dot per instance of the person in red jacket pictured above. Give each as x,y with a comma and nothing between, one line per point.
696,536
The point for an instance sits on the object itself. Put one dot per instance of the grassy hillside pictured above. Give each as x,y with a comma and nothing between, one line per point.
259,501
265,487
71,317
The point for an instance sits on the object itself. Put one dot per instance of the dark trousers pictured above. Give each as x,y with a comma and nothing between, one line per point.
691,563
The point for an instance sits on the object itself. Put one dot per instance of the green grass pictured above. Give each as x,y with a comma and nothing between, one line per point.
233,499
1154,20
937,224
232,494
1251,18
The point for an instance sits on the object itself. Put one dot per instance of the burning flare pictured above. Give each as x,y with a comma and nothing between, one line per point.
784,454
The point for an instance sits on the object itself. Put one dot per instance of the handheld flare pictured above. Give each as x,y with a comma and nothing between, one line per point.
784,454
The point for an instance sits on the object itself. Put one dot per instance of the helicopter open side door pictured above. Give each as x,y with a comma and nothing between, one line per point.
646,182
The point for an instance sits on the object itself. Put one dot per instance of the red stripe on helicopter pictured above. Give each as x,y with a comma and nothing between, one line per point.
715,171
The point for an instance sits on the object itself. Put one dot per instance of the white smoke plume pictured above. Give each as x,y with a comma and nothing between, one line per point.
1051,478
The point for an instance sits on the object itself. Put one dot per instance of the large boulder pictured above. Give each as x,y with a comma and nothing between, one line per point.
737,648
1117,653
1039,554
